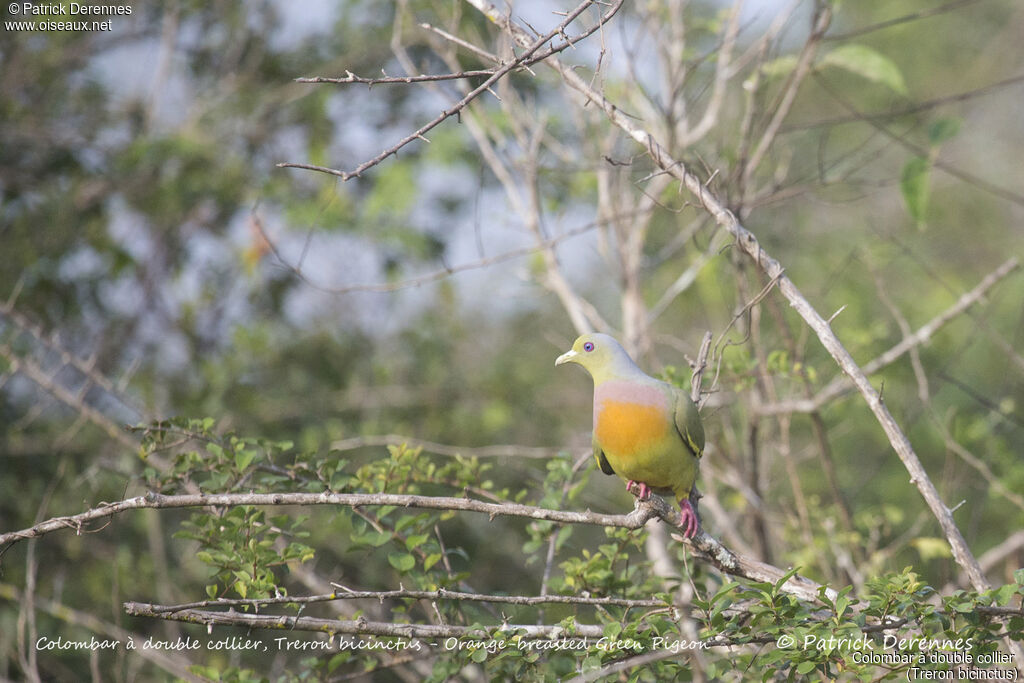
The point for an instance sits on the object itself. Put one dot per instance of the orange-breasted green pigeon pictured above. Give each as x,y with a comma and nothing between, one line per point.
645,430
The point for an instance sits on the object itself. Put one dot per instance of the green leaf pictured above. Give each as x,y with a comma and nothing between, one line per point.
942,130
804,668
372,538
243,458
867,63
431,560
1004,594
403,562
415,541
914,186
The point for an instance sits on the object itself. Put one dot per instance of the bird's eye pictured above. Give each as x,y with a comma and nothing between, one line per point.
588,347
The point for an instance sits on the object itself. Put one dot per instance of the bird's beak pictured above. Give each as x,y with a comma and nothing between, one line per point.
567,357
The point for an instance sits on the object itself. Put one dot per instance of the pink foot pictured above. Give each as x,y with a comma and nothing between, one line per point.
688,521
639,489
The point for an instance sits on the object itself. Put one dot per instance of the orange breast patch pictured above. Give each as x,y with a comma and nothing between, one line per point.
624,429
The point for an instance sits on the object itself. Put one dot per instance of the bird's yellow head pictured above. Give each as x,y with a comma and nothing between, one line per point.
601,356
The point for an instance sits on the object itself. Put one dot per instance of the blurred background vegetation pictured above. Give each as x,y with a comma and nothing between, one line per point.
156,263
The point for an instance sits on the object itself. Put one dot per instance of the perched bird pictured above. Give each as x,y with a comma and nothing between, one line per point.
645,430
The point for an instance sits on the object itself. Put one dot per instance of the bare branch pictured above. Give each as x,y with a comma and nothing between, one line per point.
699,366
67,358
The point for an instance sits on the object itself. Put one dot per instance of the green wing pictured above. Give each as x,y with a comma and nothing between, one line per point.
688,422
602,461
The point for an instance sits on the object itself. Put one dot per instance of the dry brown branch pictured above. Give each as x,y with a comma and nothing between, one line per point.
723,71
488,138
748,242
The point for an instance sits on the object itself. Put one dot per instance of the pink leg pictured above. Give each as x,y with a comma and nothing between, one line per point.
642,490
688,521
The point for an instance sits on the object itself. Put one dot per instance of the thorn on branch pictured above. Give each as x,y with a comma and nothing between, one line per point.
834,315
